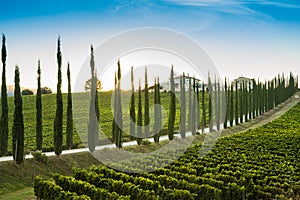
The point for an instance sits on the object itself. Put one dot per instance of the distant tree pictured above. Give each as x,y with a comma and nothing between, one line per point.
157,112
203,108
93,127
27,92
58,121
114,125
88,85
245,87
241,92
231,108
172,107
250,93
139,129
46,90
119,116
182,130
194,110
210,109
236,115
132,108
39,122
190,113
18,123
4,104
146,108
227,103
218,105
69,128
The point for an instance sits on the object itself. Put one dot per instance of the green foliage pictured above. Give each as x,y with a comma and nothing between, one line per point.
39,156
69,129
119,115
58,120
4,104
172,107
39,115
157,112
18,124
27,92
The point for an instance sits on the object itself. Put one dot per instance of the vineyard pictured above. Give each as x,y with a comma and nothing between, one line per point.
260,163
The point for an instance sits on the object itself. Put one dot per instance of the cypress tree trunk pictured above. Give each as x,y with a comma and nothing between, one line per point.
18,124
58,121
236,104
139,129
4,104
69,129
182,107
172,108
93,126
132,108
39,123
146,111
203,108
231,105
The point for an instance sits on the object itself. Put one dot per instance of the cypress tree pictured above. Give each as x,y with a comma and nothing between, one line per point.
4,104
241,102
93,126
132,108
246,101
231,111
250,101
119,110
139,129
114,125
194,109
236,104
227,102
190,113
210,109
18,123
39,122
146,108
157,111
58,121
69,128
254,100
172,107
203,108
182,107
218,110
198,116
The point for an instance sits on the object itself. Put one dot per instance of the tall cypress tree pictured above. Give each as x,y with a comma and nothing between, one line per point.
231,109
219,111
250,93
182,107
39,122
69,129
18,123
194,109
210,108
58,121
190,113
236,104
157,112
93,126
198,117
246,101
139,129
114,125
172,108
119,110
132,108
146,108
4,104
241,92
227,103
203,108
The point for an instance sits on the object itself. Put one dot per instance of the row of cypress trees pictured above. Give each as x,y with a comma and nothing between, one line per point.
18,124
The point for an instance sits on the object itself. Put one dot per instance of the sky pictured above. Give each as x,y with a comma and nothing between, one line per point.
256,39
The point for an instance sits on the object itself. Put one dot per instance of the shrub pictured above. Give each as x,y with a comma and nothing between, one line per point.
46,90
39,156
27,92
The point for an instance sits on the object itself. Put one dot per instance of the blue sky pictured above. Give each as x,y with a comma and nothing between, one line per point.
258,38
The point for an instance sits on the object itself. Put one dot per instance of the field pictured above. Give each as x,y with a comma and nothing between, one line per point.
261,163
80,111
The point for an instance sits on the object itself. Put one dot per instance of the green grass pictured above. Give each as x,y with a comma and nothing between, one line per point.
80,111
